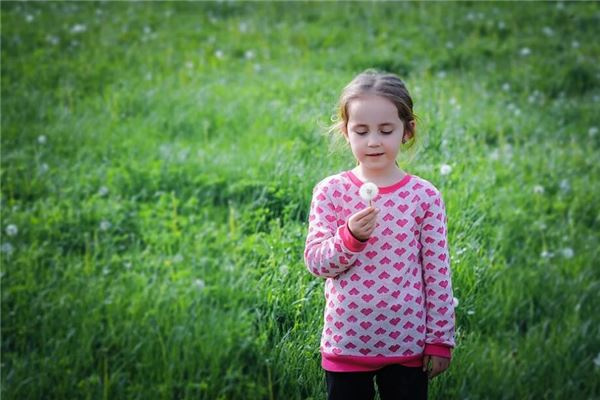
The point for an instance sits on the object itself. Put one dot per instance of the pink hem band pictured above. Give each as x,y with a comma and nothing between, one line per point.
331,362
352,243
438,350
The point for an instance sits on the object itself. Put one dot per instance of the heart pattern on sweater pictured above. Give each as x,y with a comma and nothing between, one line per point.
392,294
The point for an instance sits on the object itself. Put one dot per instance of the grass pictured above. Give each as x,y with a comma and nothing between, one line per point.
158,161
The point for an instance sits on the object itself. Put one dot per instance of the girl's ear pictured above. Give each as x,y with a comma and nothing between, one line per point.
409,131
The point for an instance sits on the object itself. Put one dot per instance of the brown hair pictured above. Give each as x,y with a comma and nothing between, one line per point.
383,84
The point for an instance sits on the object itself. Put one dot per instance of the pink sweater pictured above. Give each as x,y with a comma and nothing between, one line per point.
389,299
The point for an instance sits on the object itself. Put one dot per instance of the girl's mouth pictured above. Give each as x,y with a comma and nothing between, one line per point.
374,155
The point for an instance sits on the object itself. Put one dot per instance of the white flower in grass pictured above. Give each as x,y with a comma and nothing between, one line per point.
103,191
565,186
445,169
470,312
454,302
506,86
575,44
29,18
44,168
219,54
546,254
567,252
538,189
78,28
189,65
284,269
12,230
548,31
199,283
7,248
597,361
41,139
593,131
525,51
105,225
53,40
368,191
249,55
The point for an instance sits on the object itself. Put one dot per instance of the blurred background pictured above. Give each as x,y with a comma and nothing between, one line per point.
157,166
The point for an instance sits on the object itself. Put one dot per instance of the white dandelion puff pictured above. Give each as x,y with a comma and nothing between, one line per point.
29,18
445,169
597,361
127,265
525,51
12,230
593,131
103,191
199,283
44,168
243,27
368,191
546,254
548,31
249,55
454,302
538,189
78,28
501,25
105,225
575,44
506,86
284,269
567,252
42,139
53,40
565,186
7,248
219,54
189,65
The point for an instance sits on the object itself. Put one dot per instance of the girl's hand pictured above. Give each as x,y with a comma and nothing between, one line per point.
363,223
438,365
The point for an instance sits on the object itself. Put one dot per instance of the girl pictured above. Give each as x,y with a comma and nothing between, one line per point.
389,311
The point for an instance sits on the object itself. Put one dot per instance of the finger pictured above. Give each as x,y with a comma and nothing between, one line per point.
425,363
363,213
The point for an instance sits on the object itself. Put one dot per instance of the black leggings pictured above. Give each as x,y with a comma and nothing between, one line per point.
393,382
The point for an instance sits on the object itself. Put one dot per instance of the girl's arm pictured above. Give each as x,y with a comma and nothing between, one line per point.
330,247
436,276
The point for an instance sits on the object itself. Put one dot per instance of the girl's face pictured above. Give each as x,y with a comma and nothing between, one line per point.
374,131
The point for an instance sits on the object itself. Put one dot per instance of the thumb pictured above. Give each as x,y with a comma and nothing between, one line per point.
425,362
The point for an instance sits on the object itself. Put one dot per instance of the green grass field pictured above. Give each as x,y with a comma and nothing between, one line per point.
157,167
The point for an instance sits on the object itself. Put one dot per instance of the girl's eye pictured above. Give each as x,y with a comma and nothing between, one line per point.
361,133
386,132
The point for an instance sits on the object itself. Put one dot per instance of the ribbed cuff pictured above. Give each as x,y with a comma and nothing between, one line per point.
351,243
438,350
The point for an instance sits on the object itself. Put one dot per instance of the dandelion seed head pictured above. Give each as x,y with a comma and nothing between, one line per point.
454,302
593,131
249,55
538,189
525,51
565,186
103,191
445,169
42,139
597,361
368,191
284,269
546,254
219,54
506,86
7,248
78,28
105,225
199,283
567,252
29,18
12,230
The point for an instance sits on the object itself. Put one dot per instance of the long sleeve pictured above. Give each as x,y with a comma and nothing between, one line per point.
330,247
436,275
